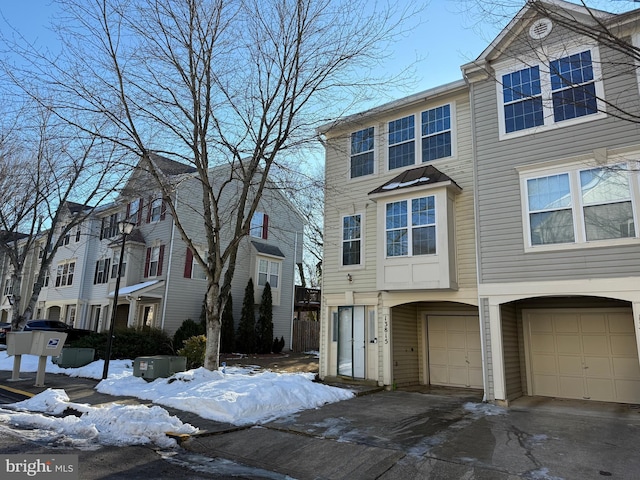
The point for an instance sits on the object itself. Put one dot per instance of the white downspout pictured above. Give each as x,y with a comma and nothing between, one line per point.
293,281
166,282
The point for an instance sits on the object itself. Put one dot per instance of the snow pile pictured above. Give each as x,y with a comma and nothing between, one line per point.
112,424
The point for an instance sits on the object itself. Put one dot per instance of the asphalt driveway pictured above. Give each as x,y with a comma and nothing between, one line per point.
400,435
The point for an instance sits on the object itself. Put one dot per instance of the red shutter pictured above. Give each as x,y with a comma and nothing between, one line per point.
163,210
149,211
265,226
140,205
146,263
188,264
126,217
160,257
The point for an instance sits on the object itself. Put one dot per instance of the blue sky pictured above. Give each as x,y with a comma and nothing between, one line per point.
443,41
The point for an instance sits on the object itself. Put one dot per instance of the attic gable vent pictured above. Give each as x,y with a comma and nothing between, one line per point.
540,28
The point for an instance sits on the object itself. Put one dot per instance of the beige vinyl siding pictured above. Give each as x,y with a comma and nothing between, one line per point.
405,338
345,196
501,232
511,351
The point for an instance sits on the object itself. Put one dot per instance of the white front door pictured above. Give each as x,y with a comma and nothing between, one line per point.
351,341
583,354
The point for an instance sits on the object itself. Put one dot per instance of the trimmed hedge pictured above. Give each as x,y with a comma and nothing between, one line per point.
128,344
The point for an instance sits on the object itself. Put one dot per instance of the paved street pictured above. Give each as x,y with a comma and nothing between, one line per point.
443,434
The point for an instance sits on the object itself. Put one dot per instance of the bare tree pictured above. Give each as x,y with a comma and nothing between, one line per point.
241,83
45,169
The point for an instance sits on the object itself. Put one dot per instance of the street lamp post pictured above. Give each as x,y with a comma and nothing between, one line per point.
125,228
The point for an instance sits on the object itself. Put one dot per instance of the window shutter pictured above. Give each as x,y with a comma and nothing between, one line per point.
140,205
265,226
105,275
126,217
163,210
160,257
95,275
146,263
149,211
188,263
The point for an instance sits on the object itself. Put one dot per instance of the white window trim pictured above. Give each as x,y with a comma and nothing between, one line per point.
196,267
357,266
156,203
376,148
409,227
542,59
574,169
271,260
417,137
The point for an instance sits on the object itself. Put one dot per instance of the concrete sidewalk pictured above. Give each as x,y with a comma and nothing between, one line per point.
449,434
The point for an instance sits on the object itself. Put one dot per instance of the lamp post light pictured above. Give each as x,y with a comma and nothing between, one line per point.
125,228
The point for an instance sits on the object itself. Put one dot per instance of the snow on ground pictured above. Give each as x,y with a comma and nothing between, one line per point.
235,395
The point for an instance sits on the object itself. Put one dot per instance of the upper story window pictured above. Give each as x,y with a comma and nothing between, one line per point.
153,262
352,240
411,227
134,211
268,271
8,287
64,274
78,233
402,148
192,269
101,274
579,206
546,94
259,225
109,227
436,133
156,210
362,160
115,262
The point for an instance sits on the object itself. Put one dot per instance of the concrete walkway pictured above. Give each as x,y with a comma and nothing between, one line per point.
445,434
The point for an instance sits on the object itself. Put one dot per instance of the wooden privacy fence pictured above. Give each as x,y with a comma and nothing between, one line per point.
306,335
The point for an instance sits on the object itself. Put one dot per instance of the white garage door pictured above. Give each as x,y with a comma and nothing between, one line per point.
586,355
454,354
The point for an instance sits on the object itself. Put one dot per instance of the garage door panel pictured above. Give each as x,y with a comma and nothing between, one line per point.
593,323
595,345
565,324
588,354
619,323
567,344
454,356
547,385
623,345
569,365
543,343
627,390
626,368
599,367
571,387
545,364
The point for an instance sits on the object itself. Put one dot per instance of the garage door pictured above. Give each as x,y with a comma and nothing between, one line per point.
454,354
585,355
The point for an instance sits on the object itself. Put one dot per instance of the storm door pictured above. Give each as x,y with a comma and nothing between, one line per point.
351,341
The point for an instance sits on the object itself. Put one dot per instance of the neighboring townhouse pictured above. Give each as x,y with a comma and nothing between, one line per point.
161,283
557,200
6,270
399,296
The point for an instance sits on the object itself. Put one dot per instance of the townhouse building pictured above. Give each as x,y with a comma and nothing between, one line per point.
557,198
482,234
161,284
399,276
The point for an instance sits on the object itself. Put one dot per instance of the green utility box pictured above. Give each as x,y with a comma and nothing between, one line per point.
74,357
158,366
